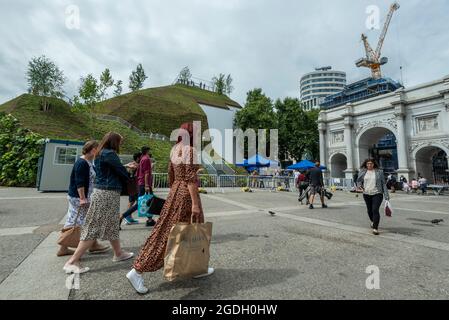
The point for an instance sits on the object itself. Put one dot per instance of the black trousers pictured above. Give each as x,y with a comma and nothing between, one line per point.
372,205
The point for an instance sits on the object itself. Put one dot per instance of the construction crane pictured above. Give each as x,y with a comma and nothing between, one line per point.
373,59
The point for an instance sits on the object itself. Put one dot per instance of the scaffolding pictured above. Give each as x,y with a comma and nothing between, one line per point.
360,90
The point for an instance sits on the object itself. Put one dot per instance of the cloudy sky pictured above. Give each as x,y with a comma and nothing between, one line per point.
261,43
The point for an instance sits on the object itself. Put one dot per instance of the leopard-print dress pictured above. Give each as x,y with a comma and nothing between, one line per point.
177,208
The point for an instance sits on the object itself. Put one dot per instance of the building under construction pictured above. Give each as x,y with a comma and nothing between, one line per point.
376,84
360,90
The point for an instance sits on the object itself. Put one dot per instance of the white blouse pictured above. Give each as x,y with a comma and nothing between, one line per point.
370,183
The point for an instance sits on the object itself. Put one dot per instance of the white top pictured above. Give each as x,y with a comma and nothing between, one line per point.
370,183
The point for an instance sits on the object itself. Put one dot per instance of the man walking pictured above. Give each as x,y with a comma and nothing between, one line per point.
144,181
315,177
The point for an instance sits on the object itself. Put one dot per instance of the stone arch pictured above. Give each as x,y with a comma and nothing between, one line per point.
423,159
370,136
338,164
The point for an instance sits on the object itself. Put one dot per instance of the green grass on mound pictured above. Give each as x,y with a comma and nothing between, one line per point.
61,123
163,109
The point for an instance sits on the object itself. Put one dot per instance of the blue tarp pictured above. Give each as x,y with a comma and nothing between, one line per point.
304,165
256,161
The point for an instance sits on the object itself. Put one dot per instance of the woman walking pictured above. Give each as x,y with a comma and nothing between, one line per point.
80,191
371,181
102,220
182,202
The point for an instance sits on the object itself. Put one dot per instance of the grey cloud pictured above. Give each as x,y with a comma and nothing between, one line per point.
267,44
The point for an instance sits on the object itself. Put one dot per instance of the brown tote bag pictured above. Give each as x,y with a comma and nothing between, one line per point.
70,237
187,252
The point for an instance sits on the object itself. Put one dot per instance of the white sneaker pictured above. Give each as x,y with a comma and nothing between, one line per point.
123,257
137,281
209,272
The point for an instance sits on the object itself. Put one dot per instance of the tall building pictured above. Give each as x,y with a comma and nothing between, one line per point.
317,85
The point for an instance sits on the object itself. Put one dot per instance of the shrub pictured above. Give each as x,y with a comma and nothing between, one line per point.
19,153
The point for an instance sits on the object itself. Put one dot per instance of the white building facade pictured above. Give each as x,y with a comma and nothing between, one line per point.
418,117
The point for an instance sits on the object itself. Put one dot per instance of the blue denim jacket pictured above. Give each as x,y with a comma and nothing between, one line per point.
111,174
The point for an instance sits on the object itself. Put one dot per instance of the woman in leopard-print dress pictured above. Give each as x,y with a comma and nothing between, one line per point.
182,201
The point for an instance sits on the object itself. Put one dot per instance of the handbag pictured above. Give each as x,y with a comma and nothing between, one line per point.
187,252
130,187
70,237
388,209
155,205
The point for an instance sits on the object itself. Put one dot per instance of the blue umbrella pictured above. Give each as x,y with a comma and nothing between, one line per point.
304,165
256,161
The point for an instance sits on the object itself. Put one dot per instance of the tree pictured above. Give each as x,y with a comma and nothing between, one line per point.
298,131
118,88
137,78
219,84
89,95
185,75
106,82
228,83
45,79
258,113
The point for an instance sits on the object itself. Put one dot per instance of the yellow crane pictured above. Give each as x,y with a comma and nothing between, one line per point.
373,59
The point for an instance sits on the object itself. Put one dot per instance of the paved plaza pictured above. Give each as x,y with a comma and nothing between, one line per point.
296,253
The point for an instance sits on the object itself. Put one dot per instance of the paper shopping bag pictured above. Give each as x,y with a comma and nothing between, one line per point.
187,252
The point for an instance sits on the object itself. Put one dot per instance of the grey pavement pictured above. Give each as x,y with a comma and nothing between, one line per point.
296,254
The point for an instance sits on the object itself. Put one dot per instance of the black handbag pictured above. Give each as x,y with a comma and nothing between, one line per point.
155,205
129,188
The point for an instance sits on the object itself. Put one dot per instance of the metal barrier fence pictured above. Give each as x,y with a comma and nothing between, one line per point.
208,181
233,181
339,183
160,181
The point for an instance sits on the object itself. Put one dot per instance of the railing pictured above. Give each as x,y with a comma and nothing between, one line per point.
233,181
208,181
272,183
339,183
108,117
160,181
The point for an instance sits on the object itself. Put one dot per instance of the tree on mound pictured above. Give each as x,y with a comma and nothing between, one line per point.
223,84
45,79
137,78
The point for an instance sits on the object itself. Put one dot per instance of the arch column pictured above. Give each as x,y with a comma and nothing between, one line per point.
348,121
323,143
399,113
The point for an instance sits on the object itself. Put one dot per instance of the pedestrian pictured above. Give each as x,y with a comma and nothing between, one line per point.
423,185
132,169
406,187
315,178
82,179
302,185
415,185
392,181
183,204
371,182
102,219
144,182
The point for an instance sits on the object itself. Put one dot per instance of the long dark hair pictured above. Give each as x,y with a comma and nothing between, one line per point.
364,166
111,140
188,127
